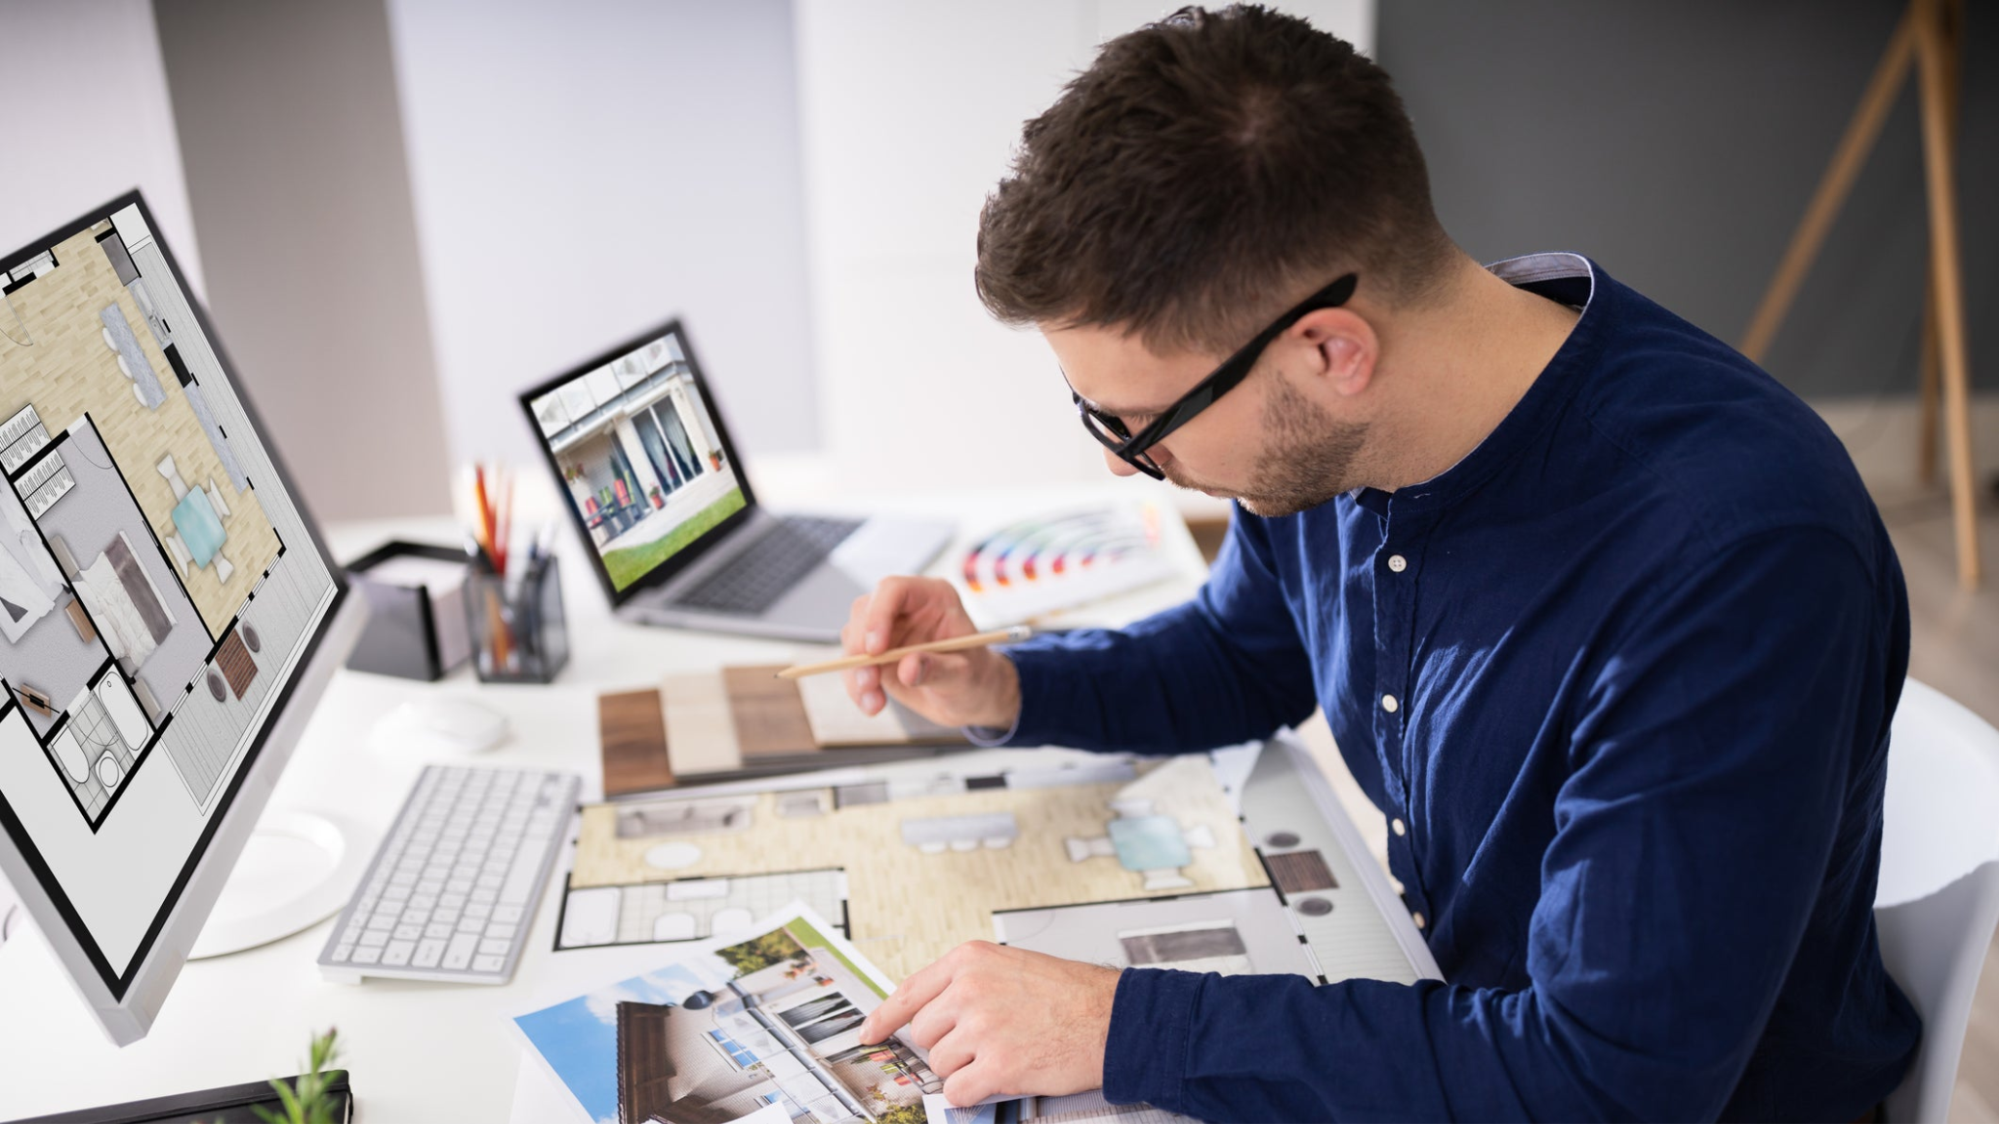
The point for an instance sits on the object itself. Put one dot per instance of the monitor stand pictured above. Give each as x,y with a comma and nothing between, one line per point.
296,869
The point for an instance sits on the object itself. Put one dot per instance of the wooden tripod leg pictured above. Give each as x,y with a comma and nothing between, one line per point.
1942,190
1847,160
1929,365
1932,388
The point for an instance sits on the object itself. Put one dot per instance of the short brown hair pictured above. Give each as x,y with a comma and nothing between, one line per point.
1204,173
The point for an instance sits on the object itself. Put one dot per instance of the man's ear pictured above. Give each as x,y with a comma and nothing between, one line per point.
1343,348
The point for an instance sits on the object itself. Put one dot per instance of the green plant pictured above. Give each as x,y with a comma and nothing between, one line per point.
307,1098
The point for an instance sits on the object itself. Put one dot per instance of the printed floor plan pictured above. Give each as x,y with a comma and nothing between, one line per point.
1115,860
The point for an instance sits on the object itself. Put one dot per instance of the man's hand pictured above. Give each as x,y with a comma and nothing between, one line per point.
1004,1021
974,688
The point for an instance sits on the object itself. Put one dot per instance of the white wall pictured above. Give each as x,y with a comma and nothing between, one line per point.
581,171
69,144
910,112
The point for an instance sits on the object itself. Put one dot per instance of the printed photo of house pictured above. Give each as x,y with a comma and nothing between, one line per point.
785,1032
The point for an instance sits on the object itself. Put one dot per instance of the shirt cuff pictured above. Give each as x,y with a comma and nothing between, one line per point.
1145,1057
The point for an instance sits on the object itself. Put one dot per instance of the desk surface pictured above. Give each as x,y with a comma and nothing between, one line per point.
418,1052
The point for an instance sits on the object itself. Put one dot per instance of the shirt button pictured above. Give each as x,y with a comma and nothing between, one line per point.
1417,917
1400,828
1397,563
1388,704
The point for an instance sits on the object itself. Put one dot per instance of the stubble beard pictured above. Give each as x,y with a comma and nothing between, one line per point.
1308,456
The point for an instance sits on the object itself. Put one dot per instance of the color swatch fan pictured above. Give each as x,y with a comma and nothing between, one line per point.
1039,566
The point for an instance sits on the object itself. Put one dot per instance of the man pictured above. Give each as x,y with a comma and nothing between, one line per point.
1601,616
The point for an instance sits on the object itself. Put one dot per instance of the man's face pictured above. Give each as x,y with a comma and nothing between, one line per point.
1270,443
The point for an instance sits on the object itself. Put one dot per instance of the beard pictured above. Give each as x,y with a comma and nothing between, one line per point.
1308,457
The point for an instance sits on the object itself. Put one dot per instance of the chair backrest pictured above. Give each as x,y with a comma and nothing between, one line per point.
1938,898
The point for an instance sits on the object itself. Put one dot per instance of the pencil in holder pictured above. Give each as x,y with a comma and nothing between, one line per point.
515,622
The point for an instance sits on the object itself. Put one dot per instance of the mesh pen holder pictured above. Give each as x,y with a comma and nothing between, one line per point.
515,623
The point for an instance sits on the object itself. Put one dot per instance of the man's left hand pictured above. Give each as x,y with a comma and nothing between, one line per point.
997,1021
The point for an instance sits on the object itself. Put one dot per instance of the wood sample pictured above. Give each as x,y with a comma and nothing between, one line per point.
632,728
769,715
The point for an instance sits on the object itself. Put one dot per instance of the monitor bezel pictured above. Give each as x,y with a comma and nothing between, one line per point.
674,564
125,1003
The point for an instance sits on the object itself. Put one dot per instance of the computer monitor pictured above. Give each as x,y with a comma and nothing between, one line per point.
168,615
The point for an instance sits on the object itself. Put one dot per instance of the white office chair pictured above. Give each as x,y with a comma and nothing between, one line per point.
1938,898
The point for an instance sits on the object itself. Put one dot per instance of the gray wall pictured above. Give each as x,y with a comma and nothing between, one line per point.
292,143
1677,143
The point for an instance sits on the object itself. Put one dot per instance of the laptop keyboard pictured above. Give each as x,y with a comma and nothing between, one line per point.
756,578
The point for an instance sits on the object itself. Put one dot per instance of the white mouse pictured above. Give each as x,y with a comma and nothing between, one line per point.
440,726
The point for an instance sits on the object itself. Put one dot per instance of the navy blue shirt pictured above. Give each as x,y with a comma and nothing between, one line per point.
1624,675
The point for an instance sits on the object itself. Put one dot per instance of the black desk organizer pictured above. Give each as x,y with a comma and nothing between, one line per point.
409,632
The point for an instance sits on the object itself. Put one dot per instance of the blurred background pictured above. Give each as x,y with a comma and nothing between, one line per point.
403,212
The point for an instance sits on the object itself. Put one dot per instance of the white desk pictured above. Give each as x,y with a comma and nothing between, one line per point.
418,1052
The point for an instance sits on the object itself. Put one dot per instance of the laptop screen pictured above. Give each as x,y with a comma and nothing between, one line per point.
641,455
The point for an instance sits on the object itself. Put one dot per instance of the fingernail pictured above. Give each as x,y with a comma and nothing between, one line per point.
874,640
921,668
874,700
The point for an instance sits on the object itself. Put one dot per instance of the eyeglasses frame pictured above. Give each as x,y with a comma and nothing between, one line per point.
1111,432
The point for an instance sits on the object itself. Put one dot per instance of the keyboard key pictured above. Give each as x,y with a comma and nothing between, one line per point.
398,953
505,913
489,964
524,876
367,956
375,937
495,946
341,951
427,954
471,925
438,930
459,953
501,930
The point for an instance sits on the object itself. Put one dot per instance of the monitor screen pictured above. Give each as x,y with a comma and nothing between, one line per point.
640,454
159,586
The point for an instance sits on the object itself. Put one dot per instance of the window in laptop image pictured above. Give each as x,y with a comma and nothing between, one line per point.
639,455
159,585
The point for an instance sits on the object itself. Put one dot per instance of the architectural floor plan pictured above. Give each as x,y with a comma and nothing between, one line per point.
148,600
1225,863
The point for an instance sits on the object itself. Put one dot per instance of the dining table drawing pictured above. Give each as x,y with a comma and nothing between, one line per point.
198,523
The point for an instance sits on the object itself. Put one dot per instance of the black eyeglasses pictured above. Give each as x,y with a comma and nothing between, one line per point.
1118,438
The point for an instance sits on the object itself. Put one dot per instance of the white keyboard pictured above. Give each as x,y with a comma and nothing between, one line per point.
451,893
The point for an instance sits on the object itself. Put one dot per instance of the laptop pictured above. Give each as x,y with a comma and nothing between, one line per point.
639,447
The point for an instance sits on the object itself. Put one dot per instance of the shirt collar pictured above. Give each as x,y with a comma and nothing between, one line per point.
1571,279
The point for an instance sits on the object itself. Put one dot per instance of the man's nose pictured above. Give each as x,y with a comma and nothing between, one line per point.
1118,464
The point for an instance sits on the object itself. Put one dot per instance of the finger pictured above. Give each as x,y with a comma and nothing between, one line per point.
933,1024
953,1052
937,671
850,633
917,990
973,1084
896,597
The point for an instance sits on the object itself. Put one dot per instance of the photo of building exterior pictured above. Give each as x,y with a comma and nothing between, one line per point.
639,456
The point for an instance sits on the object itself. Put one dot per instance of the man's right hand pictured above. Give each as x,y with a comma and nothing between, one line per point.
978,687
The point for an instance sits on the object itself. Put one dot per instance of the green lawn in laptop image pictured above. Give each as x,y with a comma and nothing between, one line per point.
628,564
